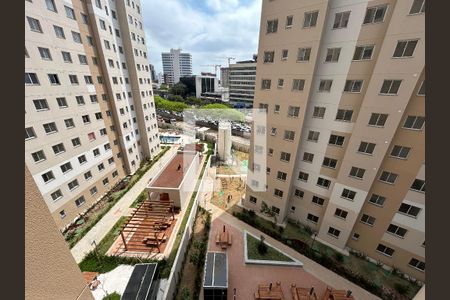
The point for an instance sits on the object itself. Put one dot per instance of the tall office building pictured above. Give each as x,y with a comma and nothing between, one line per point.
153,73
176,65
343,83
89,111
241,82
224,77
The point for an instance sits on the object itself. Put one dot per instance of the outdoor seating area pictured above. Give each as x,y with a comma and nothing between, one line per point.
300,293
332,294
224,238
269,291
147,228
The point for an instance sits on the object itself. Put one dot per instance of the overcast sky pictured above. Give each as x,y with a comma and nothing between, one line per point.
208,29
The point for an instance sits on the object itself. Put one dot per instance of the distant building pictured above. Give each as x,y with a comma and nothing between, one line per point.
160,78
176,65
205,87
224,77
241,83
153,73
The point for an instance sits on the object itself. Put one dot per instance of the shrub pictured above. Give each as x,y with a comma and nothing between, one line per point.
339,257
401,288
185,294
262,247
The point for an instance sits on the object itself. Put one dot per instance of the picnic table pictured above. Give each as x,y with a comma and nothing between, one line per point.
299,293
224,238
269,291
332,294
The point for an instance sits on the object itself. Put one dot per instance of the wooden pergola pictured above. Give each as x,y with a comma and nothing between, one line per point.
145,228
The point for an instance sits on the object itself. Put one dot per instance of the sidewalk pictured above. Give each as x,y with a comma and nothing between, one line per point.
330,278
98,232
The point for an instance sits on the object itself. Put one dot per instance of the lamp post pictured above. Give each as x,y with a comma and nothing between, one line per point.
314,235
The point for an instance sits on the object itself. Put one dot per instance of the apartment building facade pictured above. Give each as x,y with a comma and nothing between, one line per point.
345,103
176,65
241,83
89,112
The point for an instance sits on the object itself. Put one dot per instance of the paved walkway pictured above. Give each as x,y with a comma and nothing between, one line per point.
121,208
330,278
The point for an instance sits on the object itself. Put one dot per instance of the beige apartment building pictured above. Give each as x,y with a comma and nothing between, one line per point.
89,111
343,83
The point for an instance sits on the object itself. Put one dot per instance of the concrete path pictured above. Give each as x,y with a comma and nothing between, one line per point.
121,208
330,278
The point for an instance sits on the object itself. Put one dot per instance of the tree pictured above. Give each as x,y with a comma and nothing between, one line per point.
194,101
178,89
222,112
169,105
176,98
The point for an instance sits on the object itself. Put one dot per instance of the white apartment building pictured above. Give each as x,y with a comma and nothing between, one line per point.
175,65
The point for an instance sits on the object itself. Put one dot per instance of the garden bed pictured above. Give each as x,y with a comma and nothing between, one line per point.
253,246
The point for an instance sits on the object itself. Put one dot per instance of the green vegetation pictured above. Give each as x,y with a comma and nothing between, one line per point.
72,237
113,296
141,198
179,89
162,103
253,252
355,267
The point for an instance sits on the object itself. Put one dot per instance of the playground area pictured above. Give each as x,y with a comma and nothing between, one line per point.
238,165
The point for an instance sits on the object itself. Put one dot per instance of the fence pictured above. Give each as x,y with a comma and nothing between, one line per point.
175,272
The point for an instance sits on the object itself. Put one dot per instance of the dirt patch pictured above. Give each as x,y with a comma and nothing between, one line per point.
227,192
238,164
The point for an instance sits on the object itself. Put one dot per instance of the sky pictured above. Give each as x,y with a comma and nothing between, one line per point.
210,30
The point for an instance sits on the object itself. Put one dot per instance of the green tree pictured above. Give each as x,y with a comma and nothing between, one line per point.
176,98
194,100
162,103
178,89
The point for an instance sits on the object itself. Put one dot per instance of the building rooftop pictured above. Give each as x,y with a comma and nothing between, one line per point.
172,175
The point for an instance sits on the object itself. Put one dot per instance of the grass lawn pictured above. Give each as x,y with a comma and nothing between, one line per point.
272,253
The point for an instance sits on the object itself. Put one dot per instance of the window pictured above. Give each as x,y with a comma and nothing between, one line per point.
284,54
281,176
418,185
272,26
310,19
93,191
400,151
86,119
334,232
56,195
363,52
303,176
84,18
388,177
293,111
93,98
31,79
62,102
115,174
303,54
289,21
298,84
98,116
88,175
252,199
414,122
51,5
340,213
280,82
50,127
59,32
415,263
289,135
409,210
69,123
344,115
91,136
66,167
390,87
278,193
101,167
312,218
69,12
329,162
265,84
102,131
319,112
80,201
341,20
322,182
73,184
38,156
353,86
308,157
105,181
333,54
29,133
53,78
40,104
284,156
273,131
48,176
313,136
355,236
82,159
76,142
111,160
82,59
385,250
369,220
318,200
377,119
269,56
299,193
405,48
397,230
325,85
96,152
421,91
417,7
377,199
76,37
336,140
357,172
375,14
73,79
62,214
80,100
66,57
366,148
348,194
45,53
275,210
35,25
